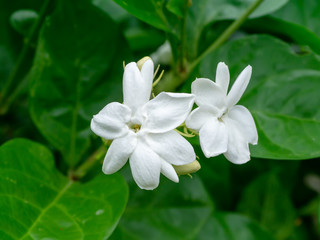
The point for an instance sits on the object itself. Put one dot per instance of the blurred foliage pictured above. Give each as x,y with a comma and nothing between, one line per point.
61,62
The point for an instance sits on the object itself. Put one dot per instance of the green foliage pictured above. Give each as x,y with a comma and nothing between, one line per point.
69,81
55,78
188,214
37,201
260,200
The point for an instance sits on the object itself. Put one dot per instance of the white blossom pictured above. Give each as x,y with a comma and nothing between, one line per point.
143,131
223,126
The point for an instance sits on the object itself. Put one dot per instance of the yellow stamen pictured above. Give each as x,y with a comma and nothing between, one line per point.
184,134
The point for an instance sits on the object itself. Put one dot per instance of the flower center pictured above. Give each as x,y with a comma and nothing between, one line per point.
135,127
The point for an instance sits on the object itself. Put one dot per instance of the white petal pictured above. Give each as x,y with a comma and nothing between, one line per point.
172,147
110,122
223,76
208,92
239,87
243,118
137,86
168,171
145,166
213,138
200,116
119,152
238,149
167,111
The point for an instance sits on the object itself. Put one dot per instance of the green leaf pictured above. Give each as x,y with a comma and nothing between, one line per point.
117,13
304,13
177,7
38,202
172,211
297,33
268,202
149,11
282,95
203,13
72,77
230,226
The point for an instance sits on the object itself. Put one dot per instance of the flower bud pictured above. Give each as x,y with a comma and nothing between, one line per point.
142,61
188,168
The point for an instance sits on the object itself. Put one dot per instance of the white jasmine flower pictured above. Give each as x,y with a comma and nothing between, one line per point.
143,130
223,126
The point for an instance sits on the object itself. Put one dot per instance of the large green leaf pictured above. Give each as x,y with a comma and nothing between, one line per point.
283,94
268,202
38,202
72,77
302,12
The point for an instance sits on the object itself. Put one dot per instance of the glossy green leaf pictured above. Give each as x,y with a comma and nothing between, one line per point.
282,95
73,75
38,202
268,202
230,226
305,13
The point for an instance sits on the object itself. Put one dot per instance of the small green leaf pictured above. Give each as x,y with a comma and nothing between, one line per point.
283,94
72,76
268,202
149,11
38,202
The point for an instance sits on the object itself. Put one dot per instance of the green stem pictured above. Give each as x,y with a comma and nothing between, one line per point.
12,81
85,167
226,34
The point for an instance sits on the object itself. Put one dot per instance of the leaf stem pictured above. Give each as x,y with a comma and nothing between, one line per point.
13,81
227,33
83,169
